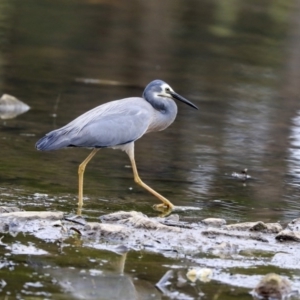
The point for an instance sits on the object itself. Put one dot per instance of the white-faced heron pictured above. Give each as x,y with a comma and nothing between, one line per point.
118,124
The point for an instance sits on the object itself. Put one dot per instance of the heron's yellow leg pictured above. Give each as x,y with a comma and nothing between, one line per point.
80,176
166,203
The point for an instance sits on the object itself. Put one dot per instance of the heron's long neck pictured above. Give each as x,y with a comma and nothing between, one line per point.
164,115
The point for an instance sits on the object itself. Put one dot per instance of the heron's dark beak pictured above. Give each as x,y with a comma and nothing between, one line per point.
180,98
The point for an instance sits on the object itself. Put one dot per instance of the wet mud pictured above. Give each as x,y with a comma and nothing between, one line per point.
210,247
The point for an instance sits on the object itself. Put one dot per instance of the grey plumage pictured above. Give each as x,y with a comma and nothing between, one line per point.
113,123
118,123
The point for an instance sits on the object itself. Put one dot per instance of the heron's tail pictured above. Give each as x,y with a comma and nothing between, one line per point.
52,141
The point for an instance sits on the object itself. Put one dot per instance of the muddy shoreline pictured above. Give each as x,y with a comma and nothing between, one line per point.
210,243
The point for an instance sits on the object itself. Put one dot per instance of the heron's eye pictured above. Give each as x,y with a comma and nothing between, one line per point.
167,90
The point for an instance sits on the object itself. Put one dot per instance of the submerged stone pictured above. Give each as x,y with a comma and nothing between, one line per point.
146,223
10,107
272,286
294,225
288,235
110,231
136,220
31,215
8,209
255,226
202,274
214,222
224,249
120,215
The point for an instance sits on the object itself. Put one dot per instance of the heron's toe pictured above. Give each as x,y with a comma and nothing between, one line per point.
163,208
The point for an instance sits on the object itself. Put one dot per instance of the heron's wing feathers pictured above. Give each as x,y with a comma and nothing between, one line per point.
111,131
108,125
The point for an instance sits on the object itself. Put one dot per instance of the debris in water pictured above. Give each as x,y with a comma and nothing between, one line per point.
243,175
203,274
10,107
214,222
255,226
272,286
288,235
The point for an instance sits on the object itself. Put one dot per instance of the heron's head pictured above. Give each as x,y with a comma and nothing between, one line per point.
158,90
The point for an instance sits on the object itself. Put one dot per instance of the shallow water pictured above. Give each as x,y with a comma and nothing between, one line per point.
237,61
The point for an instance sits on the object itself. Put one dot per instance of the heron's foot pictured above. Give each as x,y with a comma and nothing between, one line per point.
164,209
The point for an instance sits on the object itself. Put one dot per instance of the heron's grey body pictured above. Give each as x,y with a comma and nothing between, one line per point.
117,124
111,124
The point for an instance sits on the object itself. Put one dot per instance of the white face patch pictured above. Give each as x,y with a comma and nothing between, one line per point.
163,93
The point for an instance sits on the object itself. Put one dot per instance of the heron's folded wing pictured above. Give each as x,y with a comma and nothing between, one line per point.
111,124
111,130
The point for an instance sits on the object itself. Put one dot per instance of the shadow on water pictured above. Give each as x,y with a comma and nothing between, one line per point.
237,61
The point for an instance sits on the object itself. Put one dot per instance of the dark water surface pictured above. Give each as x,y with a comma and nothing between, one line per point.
238,61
